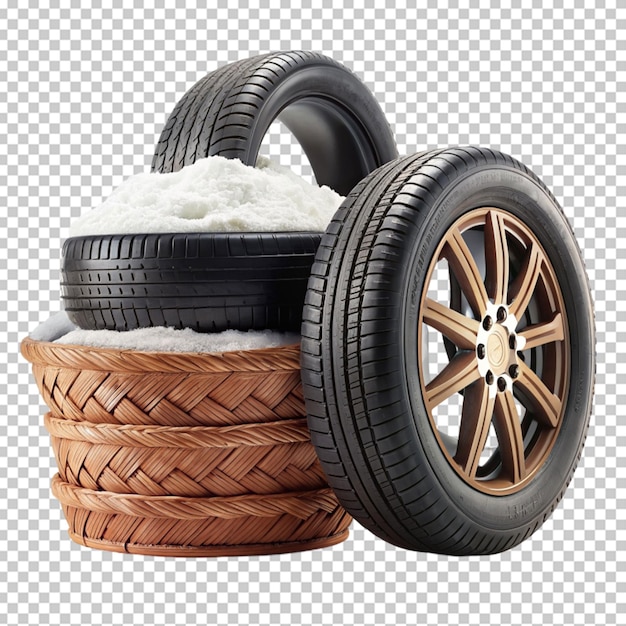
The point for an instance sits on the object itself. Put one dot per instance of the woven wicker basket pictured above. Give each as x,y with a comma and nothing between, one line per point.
184,454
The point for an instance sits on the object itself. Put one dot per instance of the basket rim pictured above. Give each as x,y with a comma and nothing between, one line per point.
301,504
155,436
73,356
242,549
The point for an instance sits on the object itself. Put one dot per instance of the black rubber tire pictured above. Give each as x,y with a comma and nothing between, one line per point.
366,411
332,114
214,282
205,281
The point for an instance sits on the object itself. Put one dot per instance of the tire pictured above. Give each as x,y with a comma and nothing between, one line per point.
205,281
412,474
243,281
332,114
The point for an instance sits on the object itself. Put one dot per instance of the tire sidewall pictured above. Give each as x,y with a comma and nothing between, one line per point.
513,191
335,84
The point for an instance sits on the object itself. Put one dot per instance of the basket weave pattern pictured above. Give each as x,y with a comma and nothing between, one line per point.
186,461
199,523
184,454
94,391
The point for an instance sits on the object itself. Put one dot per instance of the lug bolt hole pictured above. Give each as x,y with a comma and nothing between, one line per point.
501,314
489,377
512,342
501,384
480,351
487,323
514,371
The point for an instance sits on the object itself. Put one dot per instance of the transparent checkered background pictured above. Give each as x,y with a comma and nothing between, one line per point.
83,96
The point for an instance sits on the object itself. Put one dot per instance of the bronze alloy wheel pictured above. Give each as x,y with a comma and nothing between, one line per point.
512,360
448,352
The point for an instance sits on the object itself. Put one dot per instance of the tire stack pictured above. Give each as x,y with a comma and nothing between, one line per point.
243,281
469,456
177,454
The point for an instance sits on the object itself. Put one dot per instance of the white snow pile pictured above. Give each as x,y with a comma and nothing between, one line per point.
59,329
54,327
161,339
214,194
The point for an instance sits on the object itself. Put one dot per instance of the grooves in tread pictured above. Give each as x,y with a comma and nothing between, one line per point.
204,281
227,112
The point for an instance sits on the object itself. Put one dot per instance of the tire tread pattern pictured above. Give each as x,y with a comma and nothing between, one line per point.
205,281
217,114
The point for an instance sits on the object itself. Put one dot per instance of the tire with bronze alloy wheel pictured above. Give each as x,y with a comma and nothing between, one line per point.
448,352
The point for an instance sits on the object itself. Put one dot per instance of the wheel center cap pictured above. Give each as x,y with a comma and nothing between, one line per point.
497,349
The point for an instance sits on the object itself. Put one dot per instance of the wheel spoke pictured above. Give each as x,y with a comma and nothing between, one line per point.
523,286
455,376
466,272
460,330
540,334
474,428
510,439
535,396
496,257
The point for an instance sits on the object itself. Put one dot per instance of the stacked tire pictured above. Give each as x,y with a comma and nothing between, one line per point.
462,250
243,281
